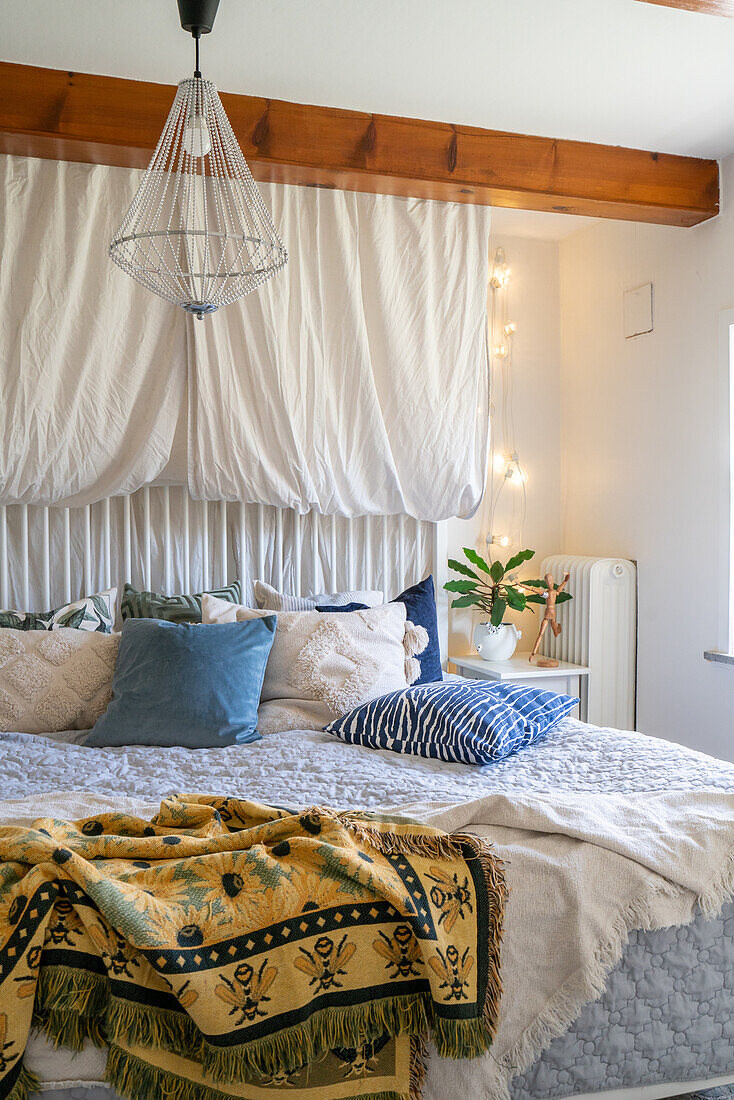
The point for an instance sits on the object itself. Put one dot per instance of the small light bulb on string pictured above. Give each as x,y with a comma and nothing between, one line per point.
510,328
500,540
500,276
500,351
500,463
513,472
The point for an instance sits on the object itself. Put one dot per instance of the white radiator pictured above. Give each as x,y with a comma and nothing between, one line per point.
600,631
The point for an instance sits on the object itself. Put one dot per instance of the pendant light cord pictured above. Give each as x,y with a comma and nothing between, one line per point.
197,72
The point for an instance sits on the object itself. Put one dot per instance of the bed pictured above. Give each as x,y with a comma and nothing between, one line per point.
662,1024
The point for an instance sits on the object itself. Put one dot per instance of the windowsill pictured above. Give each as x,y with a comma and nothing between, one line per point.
719,658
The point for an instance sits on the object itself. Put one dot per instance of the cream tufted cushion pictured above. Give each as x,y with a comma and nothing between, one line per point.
323,665
54,680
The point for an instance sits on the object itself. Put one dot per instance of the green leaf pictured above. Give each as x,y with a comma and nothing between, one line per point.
498,612
459,567
466,601
515,599
475,559
513,563
535,584
535,599
563,597
460,586
497,571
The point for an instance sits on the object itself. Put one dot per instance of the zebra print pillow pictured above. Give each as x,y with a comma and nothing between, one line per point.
464,721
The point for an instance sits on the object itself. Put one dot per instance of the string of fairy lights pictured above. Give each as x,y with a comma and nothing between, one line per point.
506,497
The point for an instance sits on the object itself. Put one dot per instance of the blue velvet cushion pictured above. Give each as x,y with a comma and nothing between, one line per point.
420,609
465,721
186,684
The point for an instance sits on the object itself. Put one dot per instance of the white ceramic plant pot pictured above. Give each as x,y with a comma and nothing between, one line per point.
496,643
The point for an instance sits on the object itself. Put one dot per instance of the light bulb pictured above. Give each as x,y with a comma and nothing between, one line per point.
513,471
500,351
500,463
196,138
501,540
500,271
509,328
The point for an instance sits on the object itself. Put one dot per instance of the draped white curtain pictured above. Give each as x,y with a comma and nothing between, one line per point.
356,382
92,368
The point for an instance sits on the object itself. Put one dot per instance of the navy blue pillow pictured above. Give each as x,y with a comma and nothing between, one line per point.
324,608
465,721
420,609
186,684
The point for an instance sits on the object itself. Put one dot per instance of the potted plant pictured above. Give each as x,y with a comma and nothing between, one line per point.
493,590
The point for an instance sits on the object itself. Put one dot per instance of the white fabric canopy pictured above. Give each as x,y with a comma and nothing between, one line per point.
354,383
92,367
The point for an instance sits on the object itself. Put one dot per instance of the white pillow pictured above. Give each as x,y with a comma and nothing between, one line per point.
272,600
53,680
324,665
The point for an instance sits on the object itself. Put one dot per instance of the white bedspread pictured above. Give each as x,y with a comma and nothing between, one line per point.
582,870
304,766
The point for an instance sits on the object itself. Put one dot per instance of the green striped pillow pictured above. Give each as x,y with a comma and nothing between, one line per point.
174,609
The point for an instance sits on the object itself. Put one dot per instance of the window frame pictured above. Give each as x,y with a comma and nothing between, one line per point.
725,653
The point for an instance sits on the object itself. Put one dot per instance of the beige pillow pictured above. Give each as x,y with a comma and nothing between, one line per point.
323,665
53,680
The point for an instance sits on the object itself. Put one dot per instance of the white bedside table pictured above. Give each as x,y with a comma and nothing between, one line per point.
566,679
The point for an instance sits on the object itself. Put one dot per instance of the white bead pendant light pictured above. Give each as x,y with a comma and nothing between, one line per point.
198,232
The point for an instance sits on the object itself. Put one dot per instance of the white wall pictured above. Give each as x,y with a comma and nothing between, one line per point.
533,302
644,442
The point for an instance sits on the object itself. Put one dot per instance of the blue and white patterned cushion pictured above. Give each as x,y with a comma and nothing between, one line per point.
465,721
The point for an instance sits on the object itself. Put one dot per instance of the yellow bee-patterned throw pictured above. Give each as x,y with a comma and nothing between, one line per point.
229,949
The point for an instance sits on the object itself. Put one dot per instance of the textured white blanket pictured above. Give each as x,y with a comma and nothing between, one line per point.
584,870
597,843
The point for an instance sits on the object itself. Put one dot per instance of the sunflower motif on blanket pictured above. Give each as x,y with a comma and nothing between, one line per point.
315,890
191,925
221,880
12,907
171,882
142,899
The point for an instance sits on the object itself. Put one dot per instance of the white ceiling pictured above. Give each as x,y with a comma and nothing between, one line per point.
612,71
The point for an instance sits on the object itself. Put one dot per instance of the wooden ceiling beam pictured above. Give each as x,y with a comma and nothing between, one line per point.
706,7
106,120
